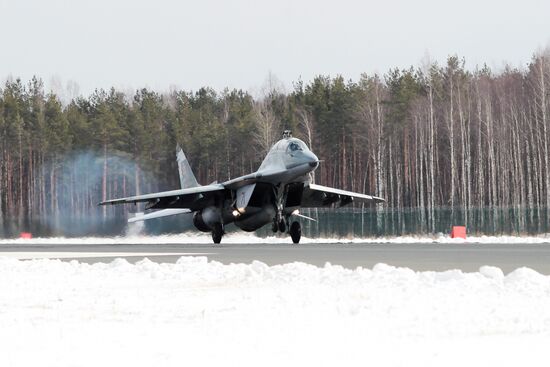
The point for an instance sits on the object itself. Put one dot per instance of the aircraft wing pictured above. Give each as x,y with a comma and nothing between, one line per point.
319,196
182,198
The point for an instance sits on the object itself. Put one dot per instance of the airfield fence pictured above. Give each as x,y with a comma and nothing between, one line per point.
375,222
342,222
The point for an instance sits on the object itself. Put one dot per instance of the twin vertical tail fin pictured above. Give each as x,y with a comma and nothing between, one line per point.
187,178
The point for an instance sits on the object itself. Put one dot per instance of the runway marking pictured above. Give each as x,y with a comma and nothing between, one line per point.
76,255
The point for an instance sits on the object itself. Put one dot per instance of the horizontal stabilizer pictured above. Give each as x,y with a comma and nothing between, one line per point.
158,214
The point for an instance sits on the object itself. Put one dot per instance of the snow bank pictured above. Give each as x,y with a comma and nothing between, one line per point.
240,237
197,312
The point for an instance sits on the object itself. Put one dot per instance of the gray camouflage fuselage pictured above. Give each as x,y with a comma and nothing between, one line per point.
287,163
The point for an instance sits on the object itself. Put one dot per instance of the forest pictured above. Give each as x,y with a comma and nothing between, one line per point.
442,144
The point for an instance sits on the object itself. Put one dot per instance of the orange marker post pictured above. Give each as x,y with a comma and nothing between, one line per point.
458,232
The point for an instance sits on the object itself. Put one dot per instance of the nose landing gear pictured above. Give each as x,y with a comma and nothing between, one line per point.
282,225
278,225
279,222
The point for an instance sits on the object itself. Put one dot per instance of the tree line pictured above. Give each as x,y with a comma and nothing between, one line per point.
436,136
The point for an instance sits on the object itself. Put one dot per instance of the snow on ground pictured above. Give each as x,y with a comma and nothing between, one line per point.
195,312
240,237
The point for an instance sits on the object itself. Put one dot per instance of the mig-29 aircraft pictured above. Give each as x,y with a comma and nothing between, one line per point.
273,194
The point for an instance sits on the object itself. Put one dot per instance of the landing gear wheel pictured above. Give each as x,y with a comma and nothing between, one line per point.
282,226
295,232
217,233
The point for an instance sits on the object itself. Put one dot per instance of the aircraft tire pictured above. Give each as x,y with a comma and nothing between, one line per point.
217,233
295,232
282,226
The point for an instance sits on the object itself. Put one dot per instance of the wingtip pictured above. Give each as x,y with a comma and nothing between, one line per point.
103,203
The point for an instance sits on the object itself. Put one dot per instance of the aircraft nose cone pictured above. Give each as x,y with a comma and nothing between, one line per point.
313,160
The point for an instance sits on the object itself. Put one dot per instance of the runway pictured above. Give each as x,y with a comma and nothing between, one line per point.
417,256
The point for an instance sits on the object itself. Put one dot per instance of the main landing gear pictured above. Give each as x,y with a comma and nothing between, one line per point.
295,232
217,233
295,229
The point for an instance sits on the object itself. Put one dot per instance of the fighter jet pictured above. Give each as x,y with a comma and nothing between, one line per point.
273,194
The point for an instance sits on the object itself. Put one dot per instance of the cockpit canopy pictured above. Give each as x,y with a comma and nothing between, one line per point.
294,146
290,146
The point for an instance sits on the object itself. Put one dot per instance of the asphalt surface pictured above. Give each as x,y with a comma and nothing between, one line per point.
420,257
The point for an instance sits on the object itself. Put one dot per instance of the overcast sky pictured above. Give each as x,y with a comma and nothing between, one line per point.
236,43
